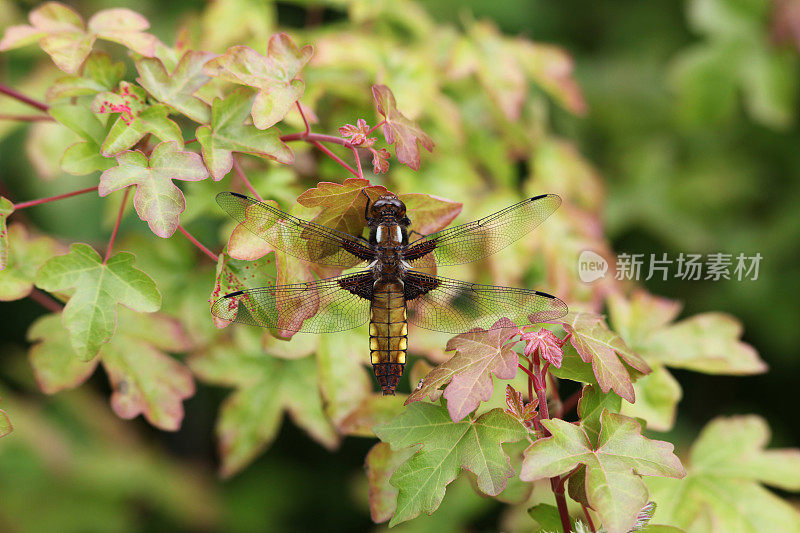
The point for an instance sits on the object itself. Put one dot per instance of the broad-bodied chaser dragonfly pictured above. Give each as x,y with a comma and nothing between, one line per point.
391,291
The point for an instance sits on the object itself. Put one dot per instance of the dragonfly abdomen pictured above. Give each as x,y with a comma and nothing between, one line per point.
388,333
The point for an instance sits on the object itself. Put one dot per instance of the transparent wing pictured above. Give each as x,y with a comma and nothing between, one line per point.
297,237
323,306
483,237
454,306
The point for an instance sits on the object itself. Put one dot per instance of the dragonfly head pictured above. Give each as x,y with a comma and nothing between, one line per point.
389,208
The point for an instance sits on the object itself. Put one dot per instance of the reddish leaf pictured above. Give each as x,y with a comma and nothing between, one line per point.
343,204
357,135
479,354
429,213
548,345
380,160
399,130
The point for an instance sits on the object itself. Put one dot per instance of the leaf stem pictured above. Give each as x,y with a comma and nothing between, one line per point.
358,162
211,255
588,518
22,98
45,301
375,127
27,118
317,138
305,120
335,157
240,173
31,203
116,225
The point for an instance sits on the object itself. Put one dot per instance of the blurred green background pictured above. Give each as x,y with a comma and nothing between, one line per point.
692,122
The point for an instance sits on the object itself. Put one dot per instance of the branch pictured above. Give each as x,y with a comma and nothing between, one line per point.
31,203
305,120
116,225
211,255
358,161
22,98
335,157
45,301
244,179
317,138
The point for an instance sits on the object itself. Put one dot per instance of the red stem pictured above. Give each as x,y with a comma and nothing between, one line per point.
244,179
358,162
305,120
530,375
27,118
375,127
335,157
45,301
22,98
31,203
194,241
588,518
116,225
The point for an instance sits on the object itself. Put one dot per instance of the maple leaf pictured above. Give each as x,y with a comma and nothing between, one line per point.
591,405
606,351
176,89
275,76
83,157
144,379
429,213
547,344
97,74
62,34
613,466
723,491
5,424
479,355
6,208
380,160
236,275
446,448
374,409
342,203
357,135
250,418
400,131
26,255
344,383
381,462
228,133
90,316
708,342
157,200
517,408
136,119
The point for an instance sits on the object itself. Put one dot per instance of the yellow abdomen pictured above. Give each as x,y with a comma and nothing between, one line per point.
388,333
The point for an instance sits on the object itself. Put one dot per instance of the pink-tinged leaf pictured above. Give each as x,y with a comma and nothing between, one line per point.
445,447
276,76
516,406
266,388
381,463
5,424
606,350
25,255
380,160
19,36
6,208
176,89
614,487
357,135
546,343
136,119
228,133
236,275
479,355
125,27
399,130
157,200
429,213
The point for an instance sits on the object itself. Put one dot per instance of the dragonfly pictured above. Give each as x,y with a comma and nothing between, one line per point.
394,286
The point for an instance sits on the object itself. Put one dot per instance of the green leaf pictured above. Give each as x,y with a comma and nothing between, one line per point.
265,387
606,351
98,74
547,516
90,316
479,355
6,208
342,204
344,382
591,405
657,397
237,275
157,201
177,89
373,410
399,130
613,486
275,76
228,133
83,157
381,462
722,491
136,119
446,448
144,379
26,254
5,424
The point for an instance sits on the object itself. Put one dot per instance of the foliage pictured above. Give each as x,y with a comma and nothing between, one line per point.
179,123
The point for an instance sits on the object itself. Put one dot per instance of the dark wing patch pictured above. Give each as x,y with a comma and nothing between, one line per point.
297,237
324,306
483,237
453,306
